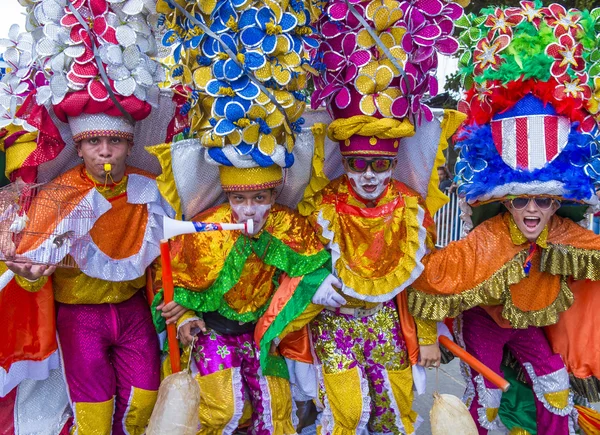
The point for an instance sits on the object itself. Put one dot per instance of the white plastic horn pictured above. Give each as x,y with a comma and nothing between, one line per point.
173,227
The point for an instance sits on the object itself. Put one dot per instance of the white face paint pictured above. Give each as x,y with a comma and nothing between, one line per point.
257,212
369,185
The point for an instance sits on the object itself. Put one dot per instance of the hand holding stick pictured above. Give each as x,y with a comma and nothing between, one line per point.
172,228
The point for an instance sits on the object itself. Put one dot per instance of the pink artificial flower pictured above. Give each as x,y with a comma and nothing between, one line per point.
341,70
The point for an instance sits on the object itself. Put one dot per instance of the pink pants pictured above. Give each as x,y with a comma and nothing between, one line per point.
485,340
110,352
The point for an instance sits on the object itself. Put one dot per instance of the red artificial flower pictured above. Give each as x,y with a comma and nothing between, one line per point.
531,13
566,96
561,20
483,93
576,88
486,53
502,21
566,54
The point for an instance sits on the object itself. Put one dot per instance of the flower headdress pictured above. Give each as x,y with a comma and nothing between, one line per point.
242,65
91,67
20,78
377,63
531,76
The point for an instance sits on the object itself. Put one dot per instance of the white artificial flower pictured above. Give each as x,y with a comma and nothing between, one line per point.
57,49
49,11
55,91
132,72
134,7
11,88
18,51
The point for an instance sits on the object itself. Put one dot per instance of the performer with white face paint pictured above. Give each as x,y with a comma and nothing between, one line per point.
378,229
369,177
253,205
226,280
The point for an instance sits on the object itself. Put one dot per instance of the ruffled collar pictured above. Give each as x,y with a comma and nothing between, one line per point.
518,238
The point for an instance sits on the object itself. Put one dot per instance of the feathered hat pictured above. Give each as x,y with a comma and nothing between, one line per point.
242,64
532,80
377,64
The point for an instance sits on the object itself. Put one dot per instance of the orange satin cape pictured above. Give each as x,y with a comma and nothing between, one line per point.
486,268
296,344
111,232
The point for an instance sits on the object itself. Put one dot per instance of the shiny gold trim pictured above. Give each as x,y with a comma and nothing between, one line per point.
558,399
518,238
518,431
546,316
569,261
31,286
370,288
492,291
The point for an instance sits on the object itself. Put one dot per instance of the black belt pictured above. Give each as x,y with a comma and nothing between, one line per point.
225,326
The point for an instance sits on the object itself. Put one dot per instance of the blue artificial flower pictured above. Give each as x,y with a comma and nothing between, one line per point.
261,28
234,111
172,39
242,91
228,69
212,47
224,18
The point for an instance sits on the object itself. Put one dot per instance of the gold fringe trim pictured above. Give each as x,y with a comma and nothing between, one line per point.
546,316
492,291
569,261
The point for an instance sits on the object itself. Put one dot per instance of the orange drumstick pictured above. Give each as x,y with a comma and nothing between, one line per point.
474,363
167,283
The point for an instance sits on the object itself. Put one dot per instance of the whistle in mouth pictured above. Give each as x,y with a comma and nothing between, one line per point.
107,167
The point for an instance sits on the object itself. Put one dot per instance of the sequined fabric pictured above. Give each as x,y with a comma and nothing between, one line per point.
232,273
71,286
485,340
215,353
377,250
107,350
487,268
375,345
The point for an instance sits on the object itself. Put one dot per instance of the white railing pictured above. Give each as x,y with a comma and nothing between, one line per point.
448,223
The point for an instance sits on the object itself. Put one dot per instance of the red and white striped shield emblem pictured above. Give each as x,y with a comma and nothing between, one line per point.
529,142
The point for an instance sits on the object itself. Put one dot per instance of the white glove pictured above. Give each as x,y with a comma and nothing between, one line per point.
327,295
